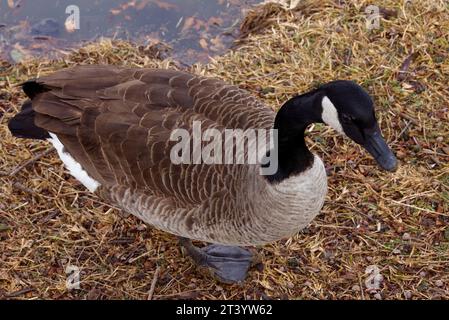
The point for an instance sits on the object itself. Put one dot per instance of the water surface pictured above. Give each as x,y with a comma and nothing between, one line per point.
195,29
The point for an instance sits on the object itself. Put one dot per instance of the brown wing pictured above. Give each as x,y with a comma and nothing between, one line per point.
116,122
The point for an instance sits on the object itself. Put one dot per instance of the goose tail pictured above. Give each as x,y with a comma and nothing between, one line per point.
22,124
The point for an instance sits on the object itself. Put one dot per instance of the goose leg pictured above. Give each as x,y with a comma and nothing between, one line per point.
228,264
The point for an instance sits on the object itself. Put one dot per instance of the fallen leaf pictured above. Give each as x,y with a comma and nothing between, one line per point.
215,21
11,4
188,23
115,12
143,4
4,227
388,13
164,5
203,44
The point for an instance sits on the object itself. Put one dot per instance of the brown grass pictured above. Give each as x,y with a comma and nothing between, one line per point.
398,222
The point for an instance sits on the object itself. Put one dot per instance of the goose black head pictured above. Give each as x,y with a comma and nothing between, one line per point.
349,109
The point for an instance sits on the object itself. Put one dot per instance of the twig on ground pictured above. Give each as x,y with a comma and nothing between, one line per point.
153,283
30,162
22,188
403,71
18,293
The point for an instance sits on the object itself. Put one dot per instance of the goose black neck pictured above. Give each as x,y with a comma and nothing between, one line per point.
291,122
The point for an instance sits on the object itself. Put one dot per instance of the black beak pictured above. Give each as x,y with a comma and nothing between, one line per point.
378,148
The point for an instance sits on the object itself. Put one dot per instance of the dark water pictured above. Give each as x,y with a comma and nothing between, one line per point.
195,29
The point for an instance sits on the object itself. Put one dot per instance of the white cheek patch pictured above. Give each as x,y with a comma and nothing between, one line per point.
330,115
72,166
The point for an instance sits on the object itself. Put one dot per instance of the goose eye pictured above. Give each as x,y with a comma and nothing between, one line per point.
346,118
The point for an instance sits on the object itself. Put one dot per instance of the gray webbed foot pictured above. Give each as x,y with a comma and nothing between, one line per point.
227,263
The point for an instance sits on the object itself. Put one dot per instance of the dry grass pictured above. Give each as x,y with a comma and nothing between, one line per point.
398,222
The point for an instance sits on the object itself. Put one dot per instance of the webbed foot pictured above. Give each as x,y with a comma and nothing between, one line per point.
227,263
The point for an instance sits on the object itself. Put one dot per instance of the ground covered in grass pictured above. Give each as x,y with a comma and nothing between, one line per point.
376,228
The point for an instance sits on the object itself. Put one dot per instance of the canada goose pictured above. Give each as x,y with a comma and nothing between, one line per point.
111,126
